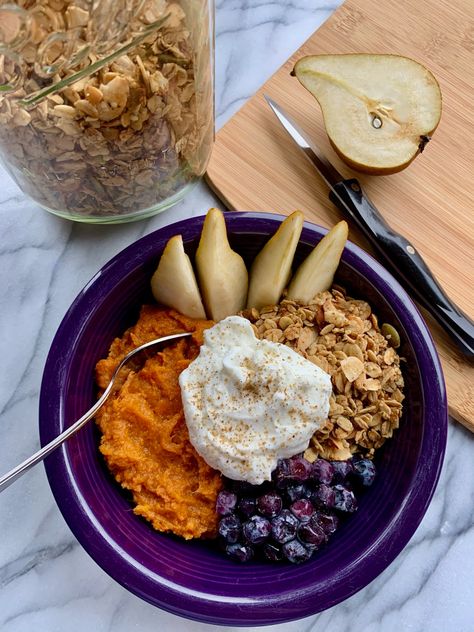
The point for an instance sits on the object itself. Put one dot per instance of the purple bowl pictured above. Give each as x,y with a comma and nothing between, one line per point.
193,579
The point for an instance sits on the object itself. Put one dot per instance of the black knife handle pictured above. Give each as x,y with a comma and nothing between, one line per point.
405,263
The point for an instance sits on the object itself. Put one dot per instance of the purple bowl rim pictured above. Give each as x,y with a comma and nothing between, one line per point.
269,610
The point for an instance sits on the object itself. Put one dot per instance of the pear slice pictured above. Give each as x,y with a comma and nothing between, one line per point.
379,110
316,273
173,284
271,268
222,274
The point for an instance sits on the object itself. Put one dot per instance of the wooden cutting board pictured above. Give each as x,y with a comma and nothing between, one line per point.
254,164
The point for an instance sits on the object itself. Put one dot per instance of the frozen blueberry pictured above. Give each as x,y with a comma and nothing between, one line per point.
295,491
230,528
364,472
272,552
247,506
300,468
296,552
270,504
311,533
345,499
328,522
225,503
323,496
322,471
284,527
303,509
342,471
241,488
240,552
282,474
257,529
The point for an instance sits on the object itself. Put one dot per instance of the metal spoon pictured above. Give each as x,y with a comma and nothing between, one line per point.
139,355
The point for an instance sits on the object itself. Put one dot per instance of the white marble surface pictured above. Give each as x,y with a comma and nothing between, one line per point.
47,582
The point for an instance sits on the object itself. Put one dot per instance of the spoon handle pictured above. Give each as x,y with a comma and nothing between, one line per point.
11,476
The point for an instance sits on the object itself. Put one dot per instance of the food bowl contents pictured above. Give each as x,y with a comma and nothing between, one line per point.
248,402
174,283
379,111
271,268
262,427
145,440
294,515
317,271
222,274
106,111
342,336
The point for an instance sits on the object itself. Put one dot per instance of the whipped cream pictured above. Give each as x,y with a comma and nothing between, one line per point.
249,402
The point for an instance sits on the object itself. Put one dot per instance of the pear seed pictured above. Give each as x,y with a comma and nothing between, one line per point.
376,121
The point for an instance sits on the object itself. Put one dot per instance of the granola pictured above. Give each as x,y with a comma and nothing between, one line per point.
342,336
125,137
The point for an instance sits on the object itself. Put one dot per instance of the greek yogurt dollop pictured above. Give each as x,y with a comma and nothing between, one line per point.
249,402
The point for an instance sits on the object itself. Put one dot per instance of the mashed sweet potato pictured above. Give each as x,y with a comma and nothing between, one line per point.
144,435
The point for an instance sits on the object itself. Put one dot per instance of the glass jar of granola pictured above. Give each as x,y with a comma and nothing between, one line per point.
106,106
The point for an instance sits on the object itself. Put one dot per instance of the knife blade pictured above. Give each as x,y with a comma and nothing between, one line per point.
398,254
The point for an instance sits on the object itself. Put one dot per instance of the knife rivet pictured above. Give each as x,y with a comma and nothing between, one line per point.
411,250
355,186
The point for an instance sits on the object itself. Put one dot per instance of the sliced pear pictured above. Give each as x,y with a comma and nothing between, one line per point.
222,274
173,284
271,268
316,273
379,110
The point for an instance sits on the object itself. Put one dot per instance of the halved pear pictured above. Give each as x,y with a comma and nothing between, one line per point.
316,273
222,274
173,284
271,268
379,110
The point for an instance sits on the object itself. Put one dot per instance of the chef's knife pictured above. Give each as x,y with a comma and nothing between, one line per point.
398,253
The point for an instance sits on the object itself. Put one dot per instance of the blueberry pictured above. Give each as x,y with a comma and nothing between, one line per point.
225,503
282,475
311,533
364,472
247,506
323,496
342,470
322,471
270,504
272,552
296,552
303,509
230,528
241,488
295,491
328,522
239,552
257,529
345,499
300,468
284,527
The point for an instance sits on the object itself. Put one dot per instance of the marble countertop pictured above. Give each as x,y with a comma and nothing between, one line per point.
47,582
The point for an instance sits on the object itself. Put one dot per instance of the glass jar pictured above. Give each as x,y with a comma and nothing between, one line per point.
106,106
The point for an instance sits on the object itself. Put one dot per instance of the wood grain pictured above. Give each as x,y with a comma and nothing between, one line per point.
254,164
